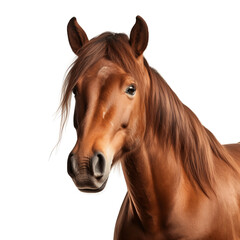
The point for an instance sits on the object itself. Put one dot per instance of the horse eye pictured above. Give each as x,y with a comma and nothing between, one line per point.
131,90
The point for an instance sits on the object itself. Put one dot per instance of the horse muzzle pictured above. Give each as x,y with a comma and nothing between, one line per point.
88,174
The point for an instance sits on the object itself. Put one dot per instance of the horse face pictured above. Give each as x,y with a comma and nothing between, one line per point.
110,112
107,122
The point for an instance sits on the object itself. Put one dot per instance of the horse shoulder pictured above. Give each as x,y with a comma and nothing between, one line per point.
128,225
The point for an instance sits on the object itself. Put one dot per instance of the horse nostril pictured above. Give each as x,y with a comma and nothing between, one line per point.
71,165
98,165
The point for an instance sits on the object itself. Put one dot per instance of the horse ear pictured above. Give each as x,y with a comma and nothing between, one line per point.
76,35
139,36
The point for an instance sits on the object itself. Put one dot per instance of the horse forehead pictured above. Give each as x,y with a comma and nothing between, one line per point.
104,71
103,68
108,68
105,75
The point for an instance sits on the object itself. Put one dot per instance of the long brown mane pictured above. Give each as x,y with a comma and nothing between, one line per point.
172,121
177,126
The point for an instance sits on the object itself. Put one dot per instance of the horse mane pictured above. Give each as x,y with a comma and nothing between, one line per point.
172,121
177,126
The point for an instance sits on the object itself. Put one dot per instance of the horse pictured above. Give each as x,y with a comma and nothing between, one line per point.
181,182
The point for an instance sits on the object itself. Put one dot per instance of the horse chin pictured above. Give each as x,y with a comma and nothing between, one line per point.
92,189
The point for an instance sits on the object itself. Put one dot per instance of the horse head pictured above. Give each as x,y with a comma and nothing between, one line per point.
109,82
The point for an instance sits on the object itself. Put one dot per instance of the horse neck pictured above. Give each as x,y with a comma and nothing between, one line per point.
155,173
153,176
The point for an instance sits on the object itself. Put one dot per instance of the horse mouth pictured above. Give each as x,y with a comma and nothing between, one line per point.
93,190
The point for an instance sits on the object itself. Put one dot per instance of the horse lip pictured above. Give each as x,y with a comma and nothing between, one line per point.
93,190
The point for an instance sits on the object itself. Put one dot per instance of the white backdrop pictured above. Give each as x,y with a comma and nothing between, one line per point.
195,45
